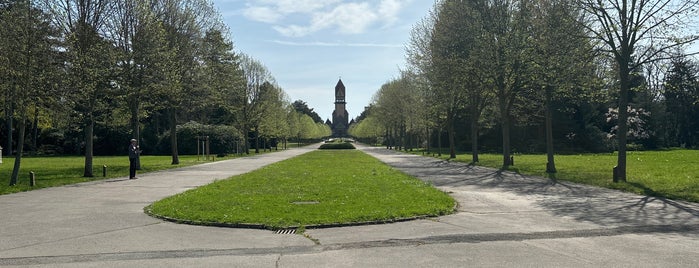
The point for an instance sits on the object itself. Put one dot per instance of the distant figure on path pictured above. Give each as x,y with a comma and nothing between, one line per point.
134,159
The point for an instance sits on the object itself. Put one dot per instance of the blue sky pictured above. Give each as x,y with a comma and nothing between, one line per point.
309,44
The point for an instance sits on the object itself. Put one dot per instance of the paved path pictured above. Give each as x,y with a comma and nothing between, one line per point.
503,220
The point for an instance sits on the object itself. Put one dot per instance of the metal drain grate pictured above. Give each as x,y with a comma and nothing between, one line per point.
286,231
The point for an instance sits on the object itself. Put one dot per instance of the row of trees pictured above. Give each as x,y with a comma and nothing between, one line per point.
86,76
551,72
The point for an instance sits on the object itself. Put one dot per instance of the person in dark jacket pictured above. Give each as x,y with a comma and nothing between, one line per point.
134,158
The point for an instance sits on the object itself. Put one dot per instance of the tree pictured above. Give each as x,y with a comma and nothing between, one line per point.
185,23
273,122
635,33
222,77
558,69
302,107
90,61
681,97
453,42
368,129
419,56
506,24
28,49
154,73
257,78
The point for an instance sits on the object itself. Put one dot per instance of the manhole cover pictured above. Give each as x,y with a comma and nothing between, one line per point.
286,231
305,202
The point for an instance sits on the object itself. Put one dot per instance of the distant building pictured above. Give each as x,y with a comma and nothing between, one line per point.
340,122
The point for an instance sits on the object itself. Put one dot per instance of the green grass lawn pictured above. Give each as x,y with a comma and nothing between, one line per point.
324,187
56,171
673,174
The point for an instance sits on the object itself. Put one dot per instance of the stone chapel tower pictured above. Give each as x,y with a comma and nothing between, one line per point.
340,116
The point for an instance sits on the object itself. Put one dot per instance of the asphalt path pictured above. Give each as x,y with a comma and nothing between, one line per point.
503,220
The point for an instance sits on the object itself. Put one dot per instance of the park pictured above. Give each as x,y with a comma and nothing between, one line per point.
502,219
516,133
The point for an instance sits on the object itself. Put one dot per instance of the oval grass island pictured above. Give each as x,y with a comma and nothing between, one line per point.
322,188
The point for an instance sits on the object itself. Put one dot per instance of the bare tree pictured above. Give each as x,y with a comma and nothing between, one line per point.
634,33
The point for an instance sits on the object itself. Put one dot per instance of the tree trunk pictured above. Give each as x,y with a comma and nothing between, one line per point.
387,141
9,114
550,165
89,133
429,139
35,130
505,133
20,146
135,126
246,138
474,132
397,139
452,141
439,143
622,131
173,137
257,140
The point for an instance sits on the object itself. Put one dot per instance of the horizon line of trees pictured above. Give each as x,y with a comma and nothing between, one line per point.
84,77
543,76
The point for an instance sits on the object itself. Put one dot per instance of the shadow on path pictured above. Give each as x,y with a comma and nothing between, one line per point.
564,199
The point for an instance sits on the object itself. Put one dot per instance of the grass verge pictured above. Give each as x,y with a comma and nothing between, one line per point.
320,188
671,174
64,170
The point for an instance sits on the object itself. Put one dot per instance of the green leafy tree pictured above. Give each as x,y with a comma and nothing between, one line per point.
257,80
302,107
273,123
681,96
186,23
506,24
558,71
222,76
453,42
28,49
90,61
420,66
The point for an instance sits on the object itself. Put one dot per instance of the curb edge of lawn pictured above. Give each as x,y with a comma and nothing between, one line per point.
149,212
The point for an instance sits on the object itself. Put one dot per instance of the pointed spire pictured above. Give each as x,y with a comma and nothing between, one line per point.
339,84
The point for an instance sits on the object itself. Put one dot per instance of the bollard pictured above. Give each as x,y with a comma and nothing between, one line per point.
32,179
104,171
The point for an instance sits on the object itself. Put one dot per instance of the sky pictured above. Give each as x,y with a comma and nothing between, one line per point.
308,45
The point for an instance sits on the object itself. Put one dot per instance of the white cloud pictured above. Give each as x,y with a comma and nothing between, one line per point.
293,30
389,9
270,11
351,17
302,6
262,14
336,44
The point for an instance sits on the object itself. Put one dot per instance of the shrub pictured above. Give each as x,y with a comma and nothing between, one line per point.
345,145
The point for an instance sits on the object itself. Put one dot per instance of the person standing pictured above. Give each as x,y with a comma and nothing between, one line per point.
134,159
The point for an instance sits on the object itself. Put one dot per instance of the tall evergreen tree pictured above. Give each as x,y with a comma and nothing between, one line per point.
681,97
